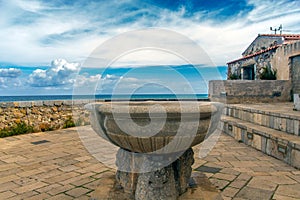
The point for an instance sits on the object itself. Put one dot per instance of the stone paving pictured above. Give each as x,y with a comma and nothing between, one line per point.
55,165
242,172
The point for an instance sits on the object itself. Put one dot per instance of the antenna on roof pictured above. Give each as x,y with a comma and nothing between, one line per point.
277,29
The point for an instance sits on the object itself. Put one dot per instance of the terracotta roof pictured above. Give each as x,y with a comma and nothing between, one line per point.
255,54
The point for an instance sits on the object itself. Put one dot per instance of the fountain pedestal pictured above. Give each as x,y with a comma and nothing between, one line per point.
162,182
155,139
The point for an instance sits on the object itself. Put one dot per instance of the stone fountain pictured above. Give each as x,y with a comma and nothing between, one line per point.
155,139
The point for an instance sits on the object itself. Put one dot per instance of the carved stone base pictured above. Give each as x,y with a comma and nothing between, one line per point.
147,178
199,188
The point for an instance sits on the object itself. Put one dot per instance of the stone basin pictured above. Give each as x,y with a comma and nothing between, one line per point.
154,126
155,139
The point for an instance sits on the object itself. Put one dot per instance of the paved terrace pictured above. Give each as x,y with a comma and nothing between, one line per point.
55,165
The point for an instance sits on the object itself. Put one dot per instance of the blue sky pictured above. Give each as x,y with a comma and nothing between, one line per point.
44,43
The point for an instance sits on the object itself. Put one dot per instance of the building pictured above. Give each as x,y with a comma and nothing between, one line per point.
277,52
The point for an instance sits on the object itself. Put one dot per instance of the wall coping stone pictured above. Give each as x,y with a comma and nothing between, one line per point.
270,113
29,104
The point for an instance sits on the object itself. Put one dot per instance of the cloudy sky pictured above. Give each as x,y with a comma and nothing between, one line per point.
45,44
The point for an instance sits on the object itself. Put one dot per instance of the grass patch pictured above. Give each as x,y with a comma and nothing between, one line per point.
17,129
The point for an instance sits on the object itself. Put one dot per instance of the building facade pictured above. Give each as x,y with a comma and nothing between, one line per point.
275,52
246,82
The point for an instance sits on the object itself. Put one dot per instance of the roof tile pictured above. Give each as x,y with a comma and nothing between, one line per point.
256,53
287,38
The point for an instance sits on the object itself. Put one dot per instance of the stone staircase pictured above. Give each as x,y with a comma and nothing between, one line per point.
273,131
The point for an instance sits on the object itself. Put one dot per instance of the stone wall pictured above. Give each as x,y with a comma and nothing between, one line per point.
43,115
259,62
278,59
281,60
247,91
262,42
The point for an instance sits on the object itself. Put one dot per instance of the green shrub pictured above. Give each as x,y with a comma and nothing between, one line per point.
48,129
268,74
17,129
234,76
69,123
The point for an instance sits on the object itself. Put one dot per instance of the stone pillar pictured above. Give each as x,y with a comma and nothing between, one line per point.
183,170
160,182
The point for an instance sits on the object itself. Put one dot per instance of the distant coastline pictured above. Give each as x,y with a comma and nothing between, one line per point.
105,97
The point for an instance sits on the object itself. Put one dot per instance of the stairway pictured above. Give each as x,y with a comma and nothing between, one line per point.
274,132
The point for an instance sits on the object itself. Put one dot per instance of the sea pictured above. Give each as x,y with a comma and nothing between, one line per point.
107,97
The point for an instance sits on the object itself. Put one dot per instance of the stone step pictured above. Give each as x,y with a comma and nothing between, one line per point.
275,143
283,119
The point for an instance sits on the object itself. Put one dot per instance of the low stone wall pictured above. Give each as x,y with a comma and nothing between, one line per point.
250,91
44,115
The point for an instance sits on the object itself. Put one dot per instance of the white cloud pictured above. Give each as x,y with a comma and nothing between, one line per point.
9,78
132,85
85,80
10,72
9,83
73,32
86,84
59,73
119,84
225,41
29,5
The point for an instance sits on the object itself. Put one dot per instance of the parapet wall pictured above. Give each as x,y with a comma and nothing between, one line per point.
250,91
44,115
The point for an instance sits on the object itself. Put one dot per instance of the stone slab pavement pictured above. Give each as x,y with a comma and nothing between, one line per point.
56,165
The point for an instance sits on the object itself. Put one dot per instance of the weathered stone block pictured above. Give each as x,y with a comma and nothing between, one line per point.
263,144
235,114
229,129
58,103
290,126
258,118
243,135
271,122
296,127
251,117
7,105
277,123
296,102
234,132
238,134
272,148
25,104
37,103
263,120
279,150
68,102
256,143
48,103
295,158
283,124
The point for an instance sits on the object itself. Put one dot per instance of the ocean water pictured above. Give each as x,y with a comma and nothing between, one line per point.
106,97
